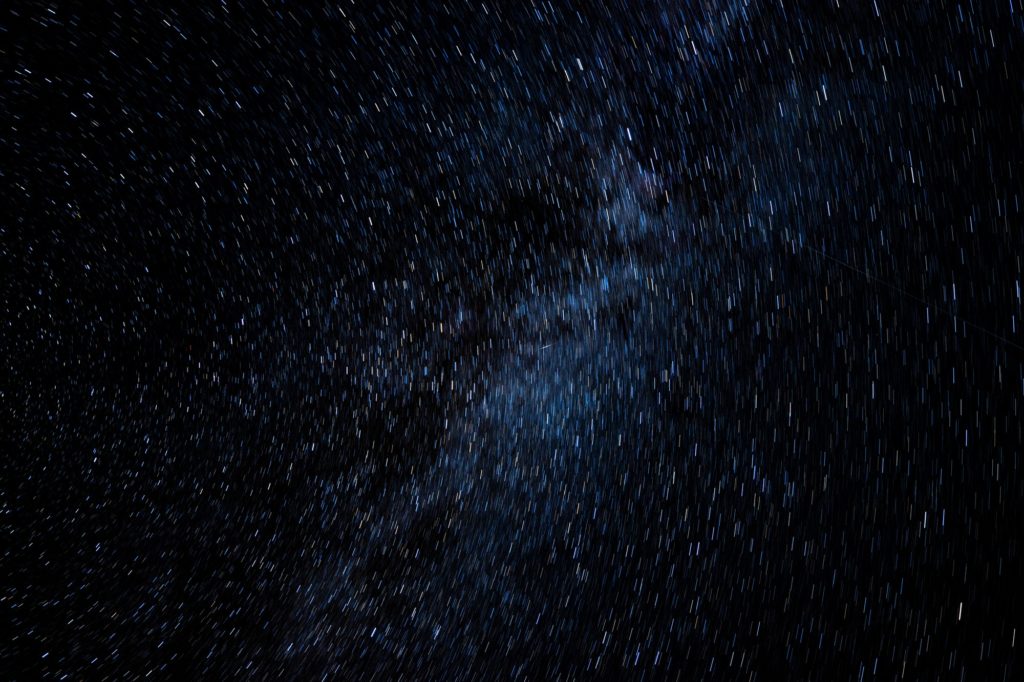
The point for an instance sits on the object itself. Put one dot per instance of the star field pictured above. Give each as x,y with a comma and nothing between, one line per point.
534,340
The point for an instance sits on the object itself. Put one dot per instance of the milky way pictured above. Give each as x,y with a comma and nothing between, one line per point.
534,340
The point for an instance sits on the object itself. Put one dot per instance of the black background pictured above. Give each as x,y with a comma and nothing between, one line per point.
293,296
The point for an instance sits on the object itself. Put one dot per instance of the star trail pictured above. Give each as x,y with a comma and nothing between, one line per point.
512,340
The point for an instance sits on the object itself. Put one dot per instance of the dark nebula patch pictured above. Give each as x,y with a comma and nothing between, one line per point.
537,340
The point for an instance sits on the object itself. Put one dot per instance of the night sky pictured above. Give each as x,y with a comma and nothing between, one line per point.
538,340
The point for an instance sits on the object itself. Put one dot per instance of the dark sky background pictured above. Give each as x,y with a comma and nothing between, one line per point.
534,340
